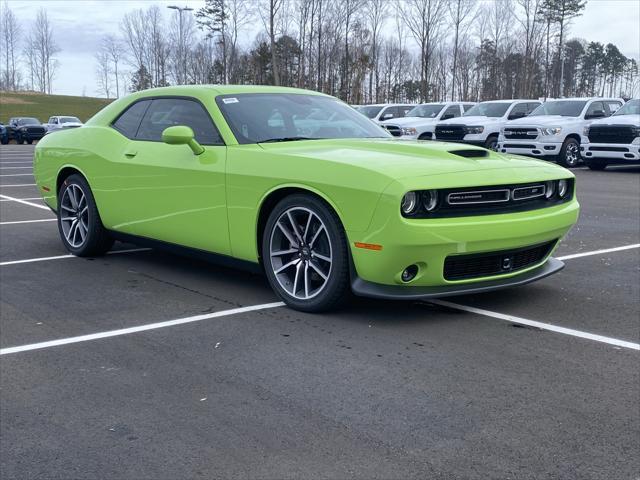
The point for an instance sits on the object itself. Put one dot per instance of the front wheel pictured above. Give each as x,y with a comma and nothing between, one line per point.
304,254
19,140
29,141
491,143
569,153
79,223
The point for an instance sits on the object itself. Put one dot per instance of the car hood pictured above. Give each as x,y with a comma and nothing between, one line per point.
618,120
544,120
474,120
399,159
410,121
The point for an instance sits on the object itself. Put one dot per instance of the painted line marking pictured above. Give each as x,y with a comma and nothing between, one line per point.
24,202
19,185
29,221
59,257
140,328
598,252
7,200
16,175
540,325
15,168
11,163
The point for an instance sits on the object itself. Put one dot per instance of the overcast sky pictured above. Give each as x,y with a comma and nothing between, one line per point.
80,24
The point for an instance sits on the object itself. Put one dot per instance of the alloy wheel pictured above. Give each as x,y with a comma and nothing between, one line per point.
572,155
74,215
300,253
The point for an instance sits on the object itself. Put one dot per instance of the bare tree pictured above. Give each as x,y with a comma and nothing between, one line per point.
375,12
40,51
103,72
115,51
10,34
270,11
461,14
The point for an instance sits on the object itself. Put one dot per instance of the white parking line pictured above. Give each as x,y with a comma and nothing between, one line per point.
599,252
19,185
15,168
140,328
24,202
12,200
59,257
29,221
543,326
16,175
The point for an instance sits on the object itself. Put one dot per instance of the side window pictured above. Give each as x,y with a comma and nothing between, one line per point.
595,110
389,112
451,112
612,107
467,106
168,112
129,121
404,109
520,110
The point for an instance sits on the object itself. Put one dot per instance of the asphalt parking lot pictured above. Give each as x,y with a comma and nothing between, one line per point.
470,388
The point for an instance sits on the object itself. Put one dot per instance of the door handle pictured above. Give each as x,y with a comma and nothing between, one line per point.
130,153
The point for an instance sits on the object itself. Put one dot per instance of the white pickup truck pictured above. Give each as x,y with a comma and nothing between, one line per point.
614,140
554,130
61,122
384,111
481,124
420,122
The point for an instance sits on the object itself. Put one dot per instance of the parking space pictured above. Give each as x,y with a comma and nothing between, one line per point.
157,370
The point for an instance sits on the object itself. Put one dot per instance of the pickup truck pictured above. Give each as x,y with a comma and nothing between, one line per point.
25,129
614,140
481,124
384,111
554,130
60,122
420,122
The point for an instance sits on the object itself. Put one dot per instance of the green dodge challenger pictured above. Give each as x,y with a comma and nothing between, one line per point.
302,186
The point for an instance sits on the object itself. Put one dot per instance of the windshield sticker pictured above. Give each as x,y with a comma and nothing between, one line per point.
230,100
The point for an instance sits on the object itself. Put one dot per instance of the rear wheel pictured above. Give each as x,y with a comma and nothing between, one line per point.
304,254
595,164
569,153
79,223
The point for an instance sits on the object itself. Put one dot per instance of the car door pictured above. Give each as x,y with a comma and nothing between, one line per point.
166,191
388,113
452,111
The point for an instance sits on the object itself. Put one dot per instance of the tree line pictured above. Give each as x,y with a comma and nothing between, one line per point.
363,51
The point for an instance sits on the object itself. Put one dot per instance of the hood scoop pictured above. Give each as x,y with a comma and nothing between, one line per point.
470,153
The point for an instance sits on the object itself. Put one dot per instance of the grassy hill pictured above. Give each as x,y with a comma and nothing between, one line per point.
41,106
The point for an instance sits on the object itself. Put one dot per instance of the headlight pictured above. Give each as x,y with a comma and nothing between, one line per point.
474,130
430,200
409,131
549,189
551,130
563,188
409,203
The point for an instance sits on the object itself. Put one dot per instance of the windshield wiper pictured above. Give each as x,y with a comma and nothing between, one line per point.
287,139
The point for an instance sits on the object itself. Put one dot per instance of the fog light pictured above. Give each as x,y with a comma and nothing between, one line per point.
563,188
409,273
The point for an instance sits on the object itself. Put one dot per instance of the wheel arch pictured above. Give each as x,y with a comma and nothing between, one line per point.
271,199
575,136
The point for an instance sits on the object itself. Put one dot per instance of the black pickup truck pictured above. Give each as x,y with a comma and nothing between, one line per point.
25,129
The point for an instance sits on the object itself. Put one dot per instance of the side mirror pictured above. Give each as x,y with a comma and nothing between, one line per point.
515,115
182,135
386,116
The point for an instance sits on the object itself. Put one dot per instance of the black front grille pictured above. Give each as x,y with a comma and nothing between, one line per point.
519,145
393,130
524,133
35,130
608,149
612,133
462,267
450,132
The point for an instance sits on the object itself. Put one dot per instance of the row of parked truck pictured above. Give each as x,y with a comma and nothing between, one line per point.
598,131
30,129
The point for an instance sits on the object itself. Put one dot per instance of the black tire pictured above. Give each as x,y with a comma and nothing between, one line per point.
97,240
19,140
331,242
570,153
491,142
4,141
29,141
595,163
426,136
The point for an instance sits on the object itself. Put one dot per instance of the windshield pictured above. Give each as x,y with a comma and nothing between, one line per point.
69,120
488,109
272,117
370,110
565,108
425,111
28,121
632,107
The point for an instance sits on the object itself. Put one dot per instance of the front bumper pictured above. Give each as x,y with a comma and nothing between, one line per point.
529,147
363,288
618,152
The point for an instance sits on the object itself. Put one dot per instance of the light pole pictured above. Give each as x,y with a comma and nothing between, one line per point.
183,63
